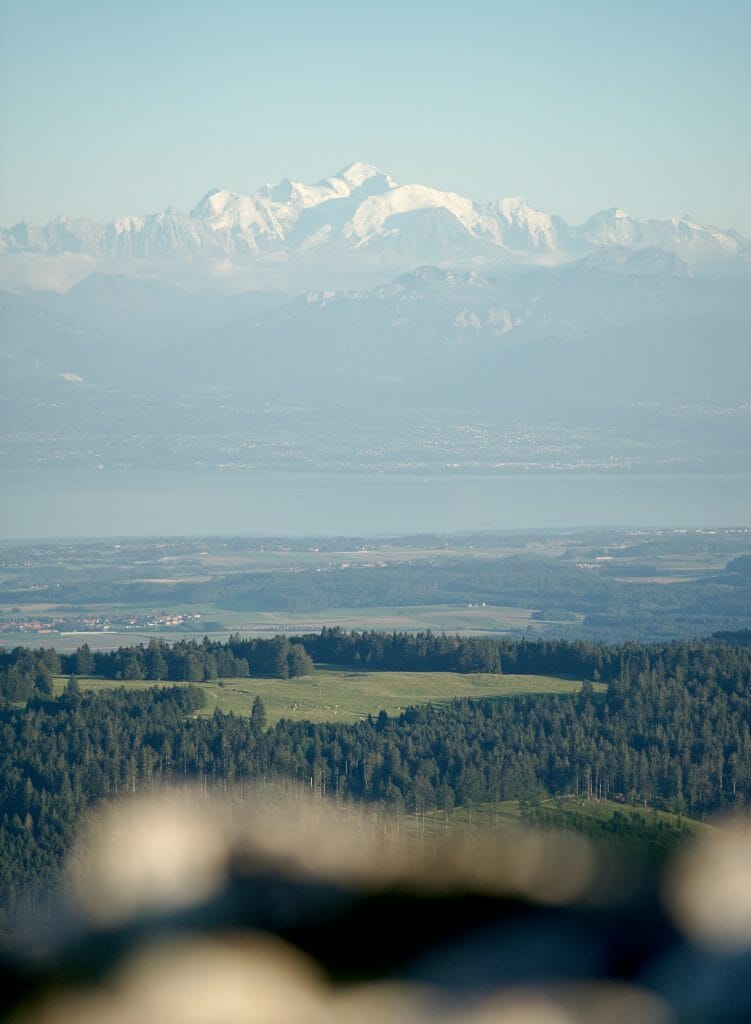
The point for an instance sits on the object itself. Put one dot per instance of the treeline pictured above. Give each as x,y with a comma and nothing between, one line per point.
24,673
737,636
580,659
672,730
439,652
627,829
408,652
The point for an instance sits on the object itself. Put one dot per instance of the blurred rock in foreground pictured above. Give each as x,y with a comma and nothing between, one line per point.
187,907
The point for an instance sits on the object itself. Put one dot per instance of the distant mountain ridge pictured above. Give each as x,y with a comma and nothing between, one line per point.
362,214
103,328
623,351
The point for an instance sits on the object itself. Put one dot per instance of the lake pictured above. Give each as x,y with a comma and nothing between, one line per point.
108,504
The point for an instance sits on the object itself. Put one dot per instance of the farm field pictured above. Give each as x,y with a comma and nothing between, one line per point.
607,584
334,695
451,618
469,620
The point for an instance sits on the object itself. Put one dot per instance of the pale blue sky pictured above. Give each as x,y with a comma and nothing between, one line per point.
111,108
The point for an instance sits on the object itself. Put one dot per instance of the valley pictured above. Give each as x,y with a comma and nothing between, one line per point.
597,584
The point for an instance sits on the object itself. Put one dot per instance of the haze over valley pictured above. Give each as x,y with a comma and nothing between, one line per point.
440,336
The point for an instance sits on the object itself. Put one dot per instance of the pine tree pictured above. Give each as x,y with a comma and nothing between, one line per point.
257,716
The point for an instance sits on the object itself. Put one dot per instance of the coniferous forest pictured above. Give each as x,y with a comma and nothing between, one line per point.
672,730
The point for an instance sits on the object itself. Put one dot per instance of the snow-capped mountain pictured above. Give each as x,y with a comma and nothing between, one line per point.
362,214
682,235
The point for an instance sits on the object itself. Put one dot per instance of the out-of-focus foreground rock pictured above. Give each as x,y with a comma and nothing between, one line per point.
278,908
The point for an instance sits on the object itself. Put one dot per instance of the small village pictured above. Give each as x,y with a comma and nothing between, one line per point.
56,624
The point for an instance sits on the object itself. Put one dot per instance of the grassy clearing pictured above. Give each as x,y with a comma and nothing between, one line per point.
336,695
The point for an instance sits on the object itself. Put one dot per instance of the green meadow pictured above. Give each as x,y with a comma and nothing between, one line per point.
337,695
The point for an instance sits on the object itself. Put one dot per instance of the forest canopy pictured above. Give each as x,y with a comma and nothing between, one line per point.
672,731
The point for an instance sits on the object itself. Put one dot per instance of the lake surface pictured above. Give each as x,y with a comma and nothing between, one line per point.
108,504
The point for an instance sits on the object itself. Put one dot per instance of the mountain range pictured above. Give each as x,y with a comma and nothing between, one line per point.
639,319
362,216
629,358
371,311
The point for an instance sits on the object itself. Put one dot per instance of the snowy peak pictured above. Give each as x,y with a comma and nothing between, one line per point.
374,213
516,208
228,214
355,175
520,226
219,206
681,235
614,227
362,214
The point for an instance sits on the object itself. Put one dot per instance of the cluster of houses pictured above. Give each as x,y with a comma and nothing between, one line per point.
97,623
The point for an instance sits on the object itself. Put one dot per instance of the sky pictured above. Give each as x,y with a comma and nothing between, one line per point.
112,108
